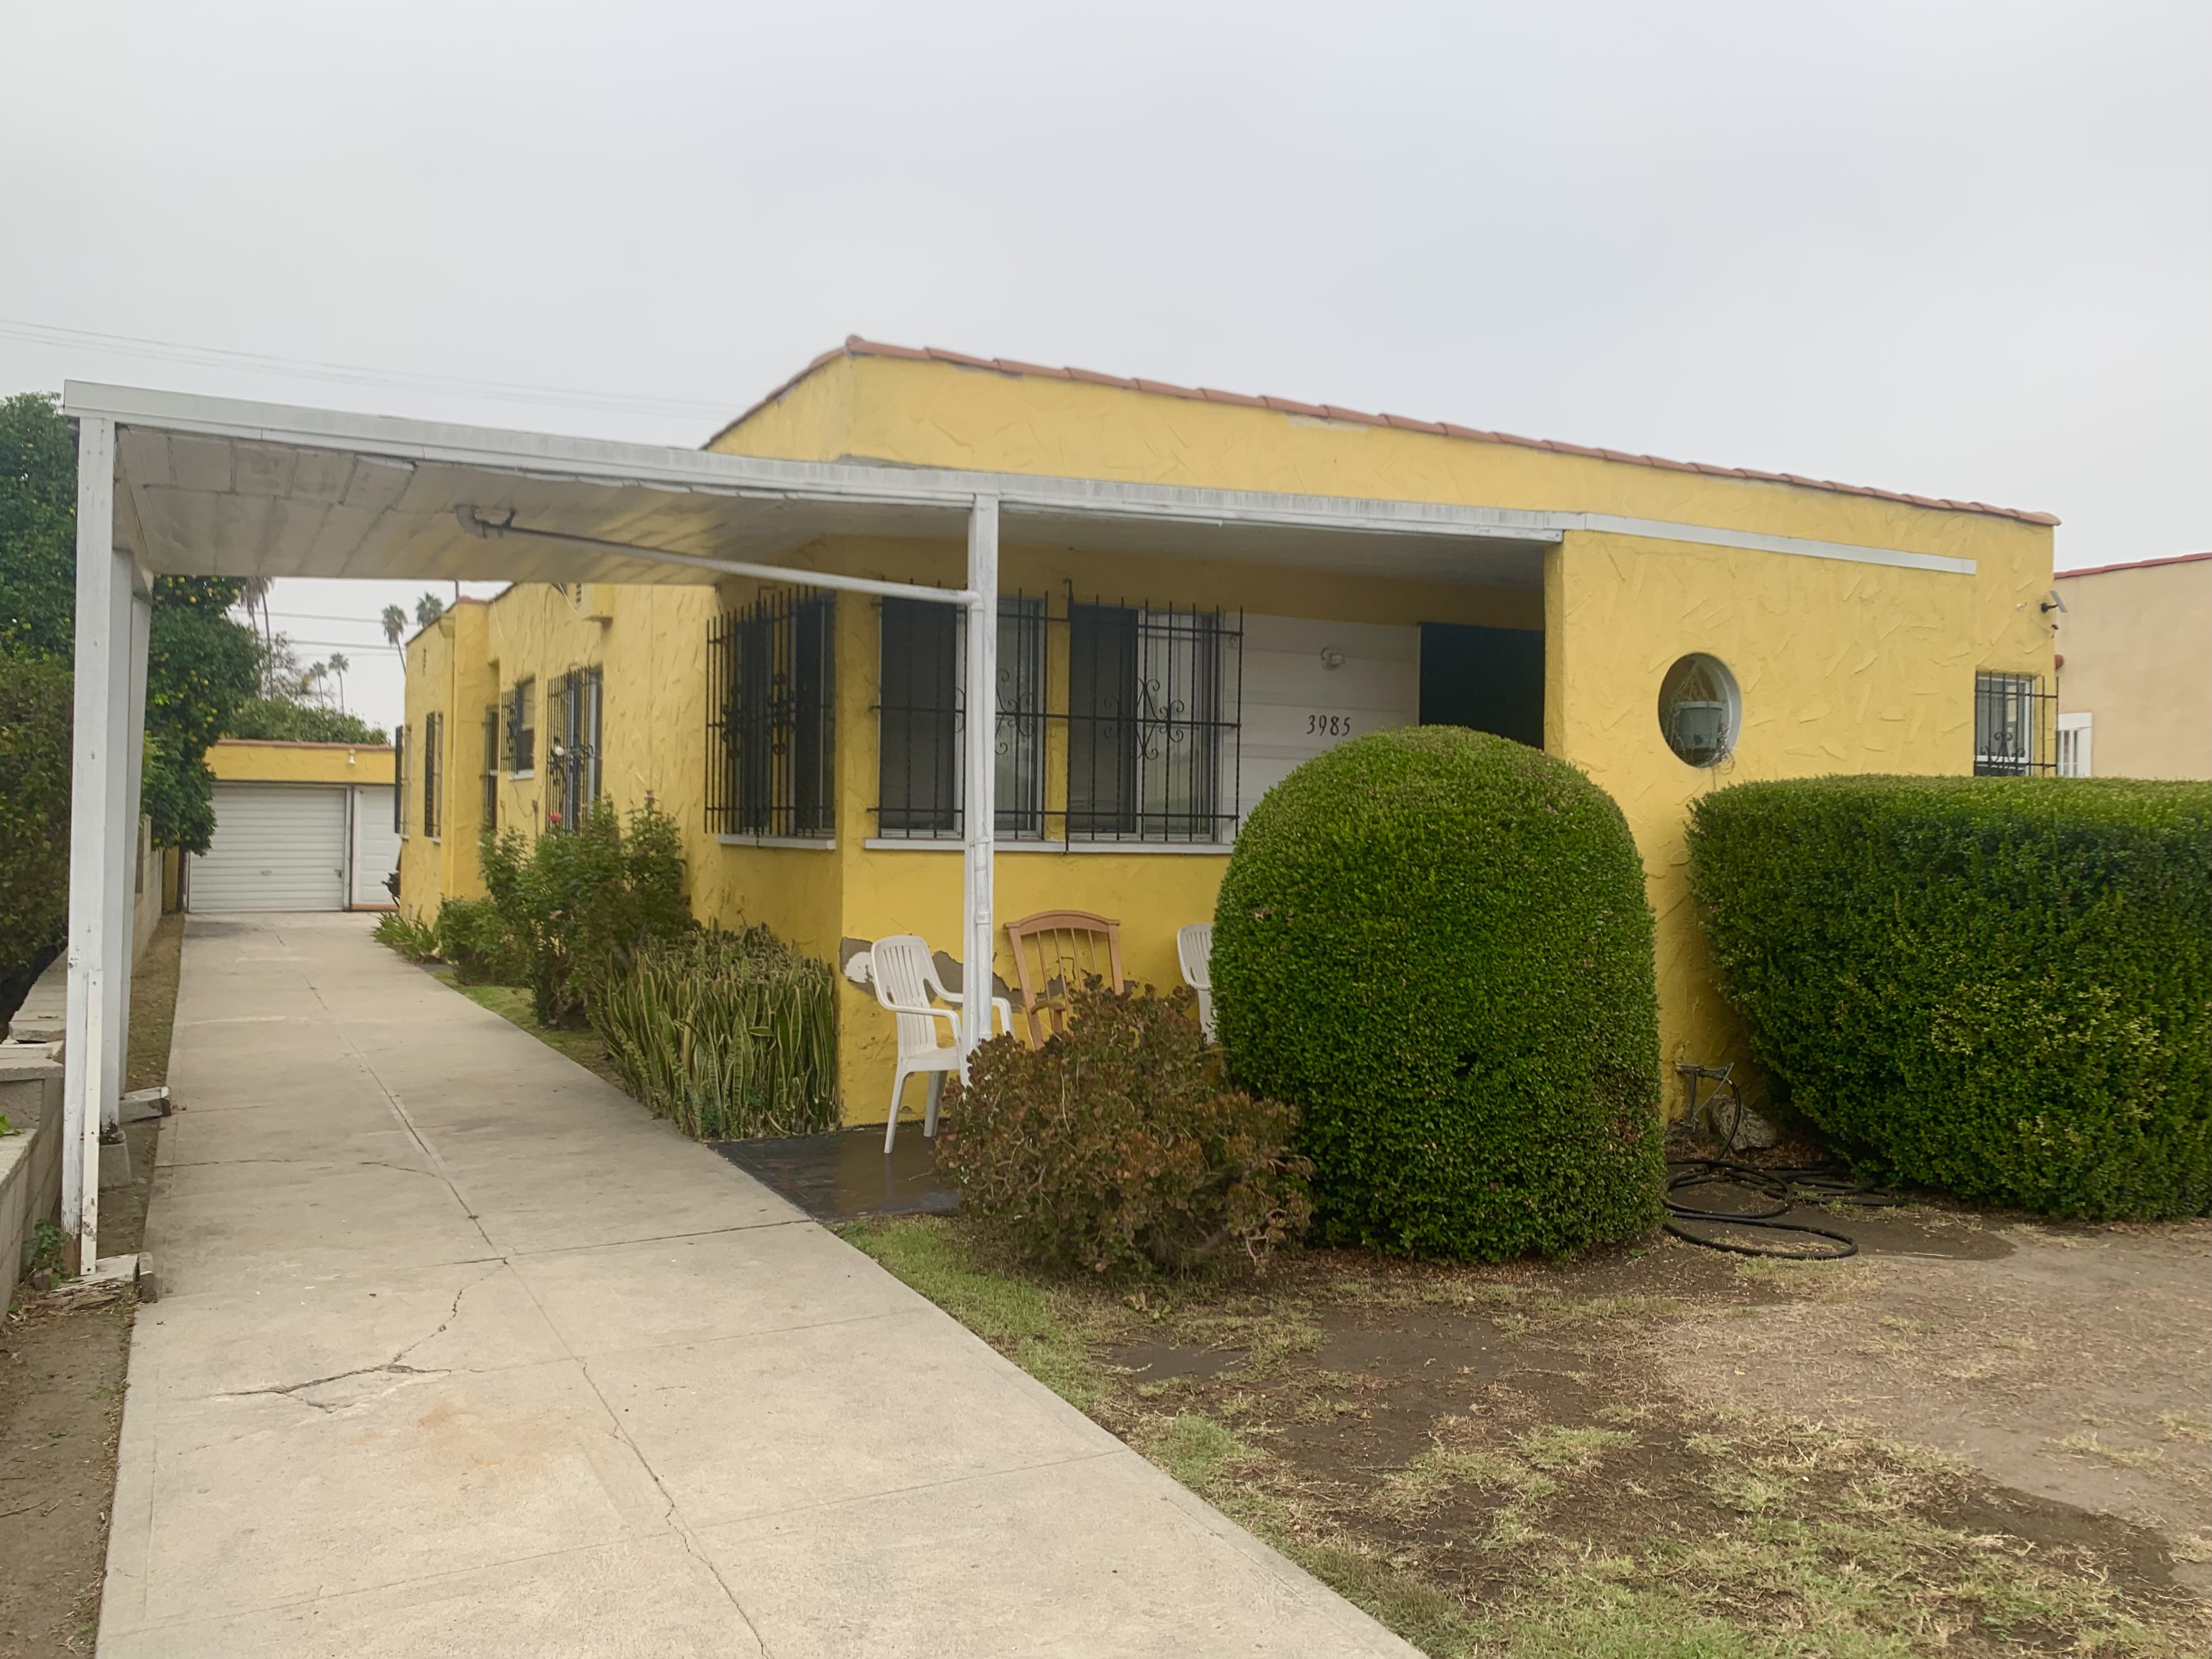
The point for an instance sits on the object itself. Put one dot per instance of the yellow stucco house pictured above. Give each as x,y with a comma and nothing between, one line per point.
1679,628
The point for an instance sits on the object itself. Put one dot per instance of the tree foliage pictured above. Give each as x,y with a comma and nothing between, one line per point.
286,720
34,784
201,664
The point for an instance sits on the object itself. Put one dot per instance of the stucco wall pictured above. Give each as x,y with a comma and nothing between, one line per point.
252,760
2137,640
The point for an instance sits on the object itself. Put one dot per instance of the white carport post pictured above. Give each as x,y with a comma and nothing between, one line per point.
982,808
112,617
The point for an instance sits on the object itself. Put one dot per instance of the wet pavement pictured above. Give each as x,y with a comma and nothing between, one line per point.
845,1175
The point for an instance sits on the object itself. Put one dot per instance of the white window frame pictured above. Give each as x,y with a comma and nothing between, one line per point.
2074,745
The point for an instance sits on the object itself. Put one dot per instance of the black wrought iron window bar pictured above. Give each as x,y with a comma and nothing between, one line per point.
2014,720
1154,703
491,735
572,746
771,723
399,780
433,729
922,720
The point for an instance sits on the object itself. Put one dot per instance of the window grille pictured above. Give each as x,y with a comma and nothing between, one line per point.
432,729
1153,705
522,727
572,744
2012,726
921,731
399,781
492,725
771,717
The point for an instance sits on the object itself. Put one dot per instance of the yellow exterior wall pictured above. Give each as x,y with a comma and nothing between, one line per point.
252,760
1843,666
2137,640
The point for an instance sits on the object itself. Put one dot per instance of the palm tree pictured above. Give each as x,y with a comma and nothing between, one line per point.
253,594
338,667
429,609
395,629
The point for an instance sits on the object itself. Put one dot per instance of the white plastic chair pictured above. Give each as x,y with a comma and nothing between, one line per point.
905,977
1194,950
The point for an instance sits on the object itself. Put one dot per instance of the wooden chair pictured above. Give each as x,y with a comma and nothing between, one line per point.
1054,951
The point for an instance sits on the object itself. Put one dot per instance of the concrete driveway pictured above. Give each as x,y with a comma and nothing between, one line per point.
462,1353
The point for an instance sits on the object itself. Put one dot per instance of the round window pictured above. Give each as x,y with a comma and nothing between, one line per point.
1699,709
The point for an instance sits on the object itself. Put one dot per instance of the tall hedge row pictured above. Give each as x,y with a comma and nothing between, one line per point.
35,708
1995,987
1434,944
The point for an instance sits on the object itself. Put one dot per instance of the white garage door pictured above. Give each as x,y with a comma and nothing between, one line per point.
276,847
375,843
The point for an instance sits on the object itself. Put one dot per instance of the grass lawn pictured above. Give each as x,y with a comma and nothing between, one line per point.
1501,1461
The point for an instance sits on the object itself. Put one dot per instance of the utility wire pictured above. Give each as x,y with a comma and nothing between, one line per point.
354,375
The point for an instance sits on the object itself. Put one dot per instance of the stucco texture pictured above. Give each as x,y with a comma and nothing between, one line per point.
2137,640
1843,666
254,760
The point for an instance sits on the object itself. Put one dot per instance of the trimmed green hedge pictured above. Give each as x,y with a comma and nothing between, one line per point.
1436,944
1997,987
36,705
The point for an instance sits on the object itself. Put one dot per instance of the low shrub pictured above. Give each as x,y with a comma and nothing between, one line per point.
730,1034
475,938
579,902
415,940
1434,944
1998,986
1120,1143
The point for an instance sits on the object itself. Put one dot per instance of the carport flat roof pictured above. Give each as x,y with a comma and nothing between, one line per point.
216,486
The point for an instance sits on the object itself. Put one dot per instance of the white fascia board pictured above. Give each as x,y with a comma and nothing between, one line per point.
1021,494
1802,547
591,459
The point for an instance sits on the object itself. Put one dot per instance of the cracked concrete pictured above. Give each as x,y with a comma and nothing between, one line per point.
463,1354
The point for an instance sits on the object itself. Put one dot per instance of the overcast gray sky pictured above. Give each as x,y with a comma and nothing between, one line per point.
1959,249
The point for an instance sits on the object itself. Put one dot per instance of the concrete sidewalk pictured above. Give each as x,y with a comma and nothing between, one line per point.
462,1353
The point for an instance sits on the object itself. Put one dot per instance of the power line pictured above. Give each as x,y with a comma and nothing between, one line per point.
354,375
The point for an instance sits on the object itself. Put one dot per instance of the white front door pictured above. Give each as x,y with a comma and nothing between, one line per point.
276,847
1310,685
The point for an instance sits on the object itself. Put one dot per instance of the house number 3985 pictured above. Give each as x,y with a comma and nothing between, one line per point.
1328,725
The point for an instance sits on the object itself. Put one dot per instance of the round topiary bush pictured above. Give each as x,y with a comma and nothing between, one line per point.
1436,944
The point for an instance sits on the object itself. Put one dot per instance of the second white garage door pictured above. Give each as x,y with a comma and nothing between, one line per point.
276,847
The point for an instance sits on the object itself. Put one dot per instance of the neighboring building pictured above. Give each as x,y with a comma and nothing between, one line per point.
2135,684
298,826
1686,627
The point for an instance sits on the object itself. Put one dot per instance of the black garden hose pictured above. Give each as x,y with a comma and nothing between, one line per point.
1783,1188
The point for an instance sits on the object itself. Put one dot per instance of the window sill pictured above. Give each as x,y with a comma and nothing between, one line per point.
793,843
899,844
521,777
1218,849
948,844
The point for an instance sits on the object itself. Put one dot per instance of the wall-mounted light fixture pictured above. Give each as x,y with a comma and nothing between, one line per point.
1331,657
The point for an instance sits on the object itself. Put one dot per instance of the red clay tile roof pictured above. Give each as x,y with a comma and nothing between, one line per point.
855,346
2132,564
